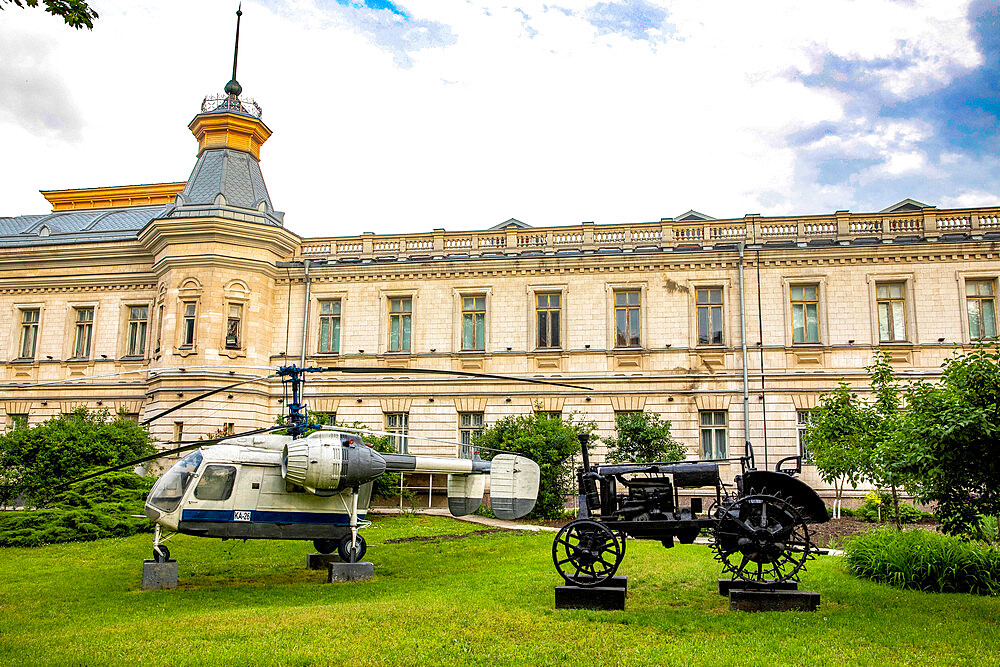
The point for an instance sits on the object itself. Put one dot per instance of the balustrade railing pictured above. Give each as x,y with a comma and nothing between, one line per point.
665,234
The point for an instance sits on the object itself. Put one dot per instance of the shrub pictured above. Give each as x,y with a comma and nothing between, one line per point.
95,509
869,510
549,442
925,561
643,437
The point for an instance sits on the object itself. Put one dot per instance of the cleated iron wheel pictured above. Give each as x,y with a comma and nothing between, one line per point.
587,553
761,538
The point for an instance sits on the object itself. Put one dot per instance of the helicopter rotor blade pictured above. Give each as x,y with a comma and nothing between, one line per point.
204,395
186,446
433,371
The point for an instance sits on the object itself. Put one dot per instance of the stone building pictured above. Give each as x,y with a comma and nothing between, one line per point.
152,294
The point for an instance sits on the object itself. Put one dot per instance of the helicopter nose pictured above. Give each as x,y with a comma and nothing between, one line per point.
150,512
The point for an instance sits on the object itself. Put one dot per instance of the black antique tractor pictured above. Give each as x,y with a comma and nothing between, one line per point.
760,533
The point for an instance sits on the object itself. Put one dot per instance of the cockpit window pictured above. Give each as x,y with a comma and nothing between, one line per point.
167,493
216,483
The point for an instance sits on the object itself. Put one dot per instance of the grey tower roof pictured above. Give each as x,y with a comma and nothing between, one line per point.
233,174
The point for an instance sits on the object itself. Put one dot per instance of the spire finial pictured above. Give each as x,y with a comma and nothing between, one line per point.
233,87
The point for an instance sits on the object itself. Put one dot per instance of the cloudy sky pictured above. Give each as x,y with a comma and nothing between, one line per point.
408,115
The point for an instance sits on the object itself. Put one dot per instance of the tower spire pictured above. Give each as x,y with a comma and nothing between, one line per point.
233,87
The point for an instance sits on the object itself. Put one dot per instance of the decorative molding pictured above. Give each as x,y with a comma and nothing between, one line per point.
805,401
17,407
712,401
395,404
327,405
628,403
470,404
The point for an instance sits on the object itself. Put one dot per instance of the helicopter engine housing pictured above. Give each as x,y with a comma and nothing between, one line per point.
325,463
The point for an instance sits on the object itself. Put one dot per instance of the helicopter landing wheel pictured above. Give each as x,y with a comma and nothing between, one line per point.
762,538
586,553
161,554
325,546
349,555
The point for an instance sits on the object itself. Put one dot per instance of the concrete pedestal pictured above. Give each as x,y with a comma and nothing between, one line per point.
341,572
610,596
726,585
318,561
156,576
745,600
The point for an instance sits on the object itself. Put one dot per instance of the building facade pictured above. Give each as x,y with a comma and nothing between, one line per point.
145,296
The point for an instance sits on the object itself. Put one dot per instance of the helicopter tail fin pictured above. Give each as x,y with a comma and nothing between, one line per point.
465,493
513,486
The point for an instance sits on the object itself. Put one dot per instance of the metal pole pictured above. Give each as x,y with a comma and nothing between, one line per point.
305,315
743,341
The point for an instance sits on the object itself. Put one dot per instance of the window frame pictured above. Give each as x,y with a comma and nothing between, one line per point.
804,302
478,318
228,485
891,301
83,331
322,318
713,428
35,327
979,298
188,342
130,324
237,342
548,310
468,432
399,315
698,307
402,429
640,316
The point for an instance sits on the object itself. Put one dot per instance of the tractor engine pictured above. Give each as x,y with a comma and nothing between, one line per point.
648,499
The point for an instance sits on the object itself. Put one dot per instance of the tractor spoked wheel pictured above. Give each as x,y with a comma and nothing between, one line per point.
586,553
761,538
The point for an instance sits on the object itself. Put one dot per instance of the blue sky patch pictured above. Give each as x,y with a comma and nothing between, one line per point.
374,4
633,18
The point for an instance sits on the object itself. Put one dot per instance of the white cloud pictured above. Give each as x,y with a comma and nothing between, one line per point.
531,112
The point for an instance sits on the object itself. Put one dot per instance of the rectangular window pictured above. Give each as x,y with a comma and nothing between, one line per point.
802,425
178,431
470,425
548,312
890,299
709,303
84,333
805,313
398,422
329,326
627,306
400,316
473,322
188,325
16,421
713,434
323,418
29,332
234,326
138,321
980,300
159,327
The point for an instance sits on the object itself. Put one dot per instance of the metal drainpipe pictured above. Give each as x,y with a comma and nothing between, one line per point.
305,316
743,341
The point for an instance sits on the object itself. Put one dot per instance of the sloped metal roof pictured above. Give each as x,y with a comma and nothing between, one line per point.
235,175
83,226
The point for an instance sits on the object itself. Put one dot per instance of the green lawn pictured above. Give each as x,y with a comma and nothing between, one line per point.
478,600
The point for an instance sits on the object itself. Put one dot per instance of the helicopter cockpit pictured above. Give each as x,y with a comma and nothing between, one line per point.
167,493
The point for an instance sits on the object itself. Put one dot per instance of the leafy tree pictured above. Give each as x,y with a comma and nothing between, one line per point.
549,442
953,429
837,439
643,437
76,13
850,439
35,461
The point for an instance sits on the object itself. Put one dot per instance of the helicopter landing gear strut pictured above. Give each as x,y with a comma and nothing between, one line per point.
352,549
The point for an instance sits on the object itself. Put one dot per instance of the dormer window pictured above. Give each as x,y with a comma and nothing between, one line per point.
44,230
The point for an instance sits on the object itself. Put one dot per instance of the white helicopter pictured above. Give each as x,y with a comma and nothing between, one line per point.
260,485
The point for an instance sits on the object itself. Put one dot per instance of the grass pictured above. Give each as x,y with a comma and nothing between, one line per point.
486,599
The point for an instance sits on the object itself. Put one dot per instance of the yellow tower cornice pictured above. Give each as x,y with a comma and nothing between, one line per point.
113,197
229,130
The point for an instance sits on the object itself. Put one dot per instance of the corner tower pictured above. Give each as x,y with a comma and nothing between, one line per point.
230,133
